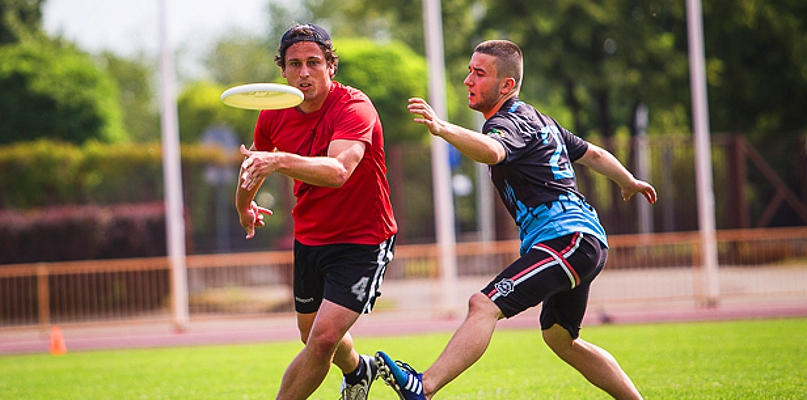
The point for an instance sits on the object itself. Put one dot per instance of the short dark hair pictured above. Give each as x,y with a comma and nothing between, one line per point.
306,33
509,58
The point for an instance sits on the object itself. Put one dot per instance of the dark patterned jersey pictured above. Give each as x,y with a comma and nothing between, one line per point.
536,180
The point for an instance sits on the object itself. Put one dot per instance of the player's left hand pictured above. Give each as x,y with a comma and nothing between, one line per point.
642,187
253,218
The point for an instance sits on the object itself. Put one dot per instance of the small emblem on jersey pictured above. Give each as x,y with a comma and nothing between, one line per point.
495,131
505,286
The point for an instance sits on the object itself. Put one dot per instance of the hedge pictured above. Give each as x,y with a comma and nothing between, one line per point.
46,173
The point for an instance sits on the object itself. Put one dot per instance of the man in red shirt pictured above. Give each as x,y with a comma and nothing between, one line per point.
332,145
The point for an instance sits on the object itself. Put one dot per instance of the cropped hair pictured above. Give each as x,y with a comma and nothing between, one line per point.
509,60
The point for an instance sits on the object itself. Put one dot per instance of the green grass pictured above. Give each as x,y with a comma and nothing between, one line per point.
756,359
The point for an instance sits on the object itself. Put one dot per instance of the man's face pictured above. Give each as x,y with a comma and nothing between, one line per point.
307,70
484,87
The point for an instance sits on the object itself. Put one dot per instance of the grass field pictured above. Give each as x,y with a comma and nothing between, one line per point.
756,359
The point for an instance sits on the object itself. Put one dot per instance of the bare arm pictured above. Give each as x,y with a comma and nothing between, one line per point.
250,214
332,170
603,162
475,145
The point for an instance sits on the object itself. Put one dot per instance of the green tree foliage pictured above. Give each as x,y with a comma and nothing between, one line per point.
590,63
389,74
200,108
758,74
403,21
242,58
20,20
136,80
53,91
604,58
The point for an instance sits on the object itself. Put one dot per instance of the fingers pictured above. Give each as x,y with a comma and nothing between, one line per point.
248,176
419,106
249,228
256,213
645,189
247,180
650,195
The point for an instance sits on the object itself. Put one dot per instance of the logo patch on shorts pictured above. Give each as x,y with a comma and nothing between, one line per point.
505,286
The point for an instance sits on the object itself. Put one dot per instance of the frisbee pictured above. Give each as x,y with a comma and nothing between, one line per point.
262,96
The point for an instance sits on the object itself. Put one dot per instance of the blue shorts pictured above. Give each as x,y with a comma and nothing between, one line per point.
558,273
346,274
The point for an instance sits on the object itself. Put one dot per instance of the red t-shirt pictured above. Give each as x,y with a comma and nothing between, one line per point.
360,211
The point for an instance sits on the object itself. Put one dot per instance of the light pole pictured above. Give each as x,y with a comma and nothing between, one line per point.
172,178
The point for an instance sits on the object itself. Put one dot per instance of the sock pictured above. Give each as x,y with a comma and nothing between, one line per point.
355,376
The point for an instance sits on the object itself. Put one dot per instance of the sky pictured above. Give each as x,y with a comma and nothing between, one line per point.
128,27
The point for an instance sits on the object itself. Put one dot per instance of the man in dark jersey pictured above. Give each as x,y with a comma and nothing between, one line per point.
563,245
332,145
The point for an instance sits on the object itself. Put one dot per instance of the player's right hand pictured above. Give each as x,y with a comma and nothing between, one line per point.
425,115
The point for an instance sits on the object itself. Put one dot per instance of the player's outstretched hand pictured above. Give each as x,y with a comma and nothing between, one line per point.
642,187
253,218
426,115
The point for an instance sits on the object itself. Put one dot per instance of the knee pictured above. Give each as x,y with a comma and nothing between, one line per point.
558,339
322,344
481,305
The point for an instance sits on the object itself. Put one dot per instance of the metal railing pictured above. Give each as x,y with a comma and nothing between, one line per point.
651,270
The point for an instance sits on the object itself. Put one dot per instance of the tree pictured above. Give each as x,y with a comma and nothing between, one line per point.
240,58
389,74
403,21
56,92
20,20
135,79
604,57
200,108
757,76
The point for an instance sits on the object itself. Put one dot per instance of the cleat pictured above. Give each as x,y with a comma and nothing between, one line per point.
401,377
360,390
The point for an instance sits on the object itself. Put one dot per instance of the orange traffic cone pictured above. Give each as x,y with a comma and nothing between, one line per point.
57,344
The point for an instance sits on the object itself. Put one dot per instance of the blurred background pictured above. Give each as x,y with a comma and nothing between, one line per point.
81,160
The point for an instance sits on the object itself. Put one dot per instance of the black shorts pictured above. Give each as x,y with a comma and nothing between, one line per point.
346,274
558,273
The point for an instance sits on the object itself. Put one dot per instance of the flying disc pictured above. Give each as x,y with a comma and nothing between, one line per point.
262,96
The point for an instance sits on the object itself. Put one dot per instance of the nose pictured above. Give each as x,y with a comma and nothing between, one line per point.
304,71
467,81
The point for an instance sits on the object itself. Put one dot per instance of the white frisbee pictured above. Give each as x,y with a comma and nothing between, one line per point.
262,96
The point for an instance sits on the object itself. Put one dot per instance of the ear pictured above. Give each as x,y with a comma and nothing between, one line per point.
508,85
283,72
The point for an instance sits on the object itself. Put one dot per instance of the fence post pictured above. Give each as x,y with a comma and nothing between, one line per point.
43,297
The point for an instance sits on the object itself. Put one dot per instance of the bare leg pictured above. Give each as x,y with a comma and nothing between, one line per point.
327,335
596,364
466,346
346,357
